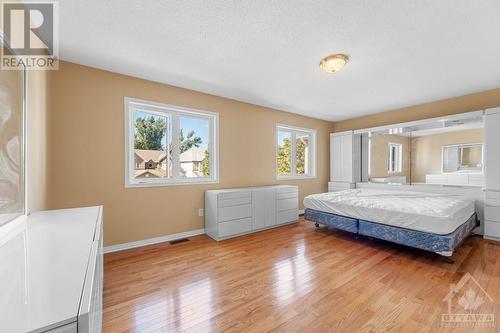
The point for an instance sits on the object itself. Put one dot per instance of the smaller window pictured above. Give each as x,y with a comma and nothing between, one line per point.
395,157
296,152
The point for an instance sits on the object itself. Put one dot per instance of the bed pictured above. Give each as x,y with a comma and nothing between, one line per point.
428,221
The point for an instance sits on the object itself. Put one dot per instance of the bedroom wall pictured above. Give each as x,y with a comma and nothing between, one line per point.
86,157
461,104
426,151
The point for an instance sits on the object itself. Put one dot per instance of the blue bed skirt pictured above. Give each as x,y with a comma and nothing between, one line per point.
442,244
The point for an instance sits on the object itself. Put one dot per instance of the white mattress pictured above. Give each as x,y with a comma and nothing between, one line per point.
428,212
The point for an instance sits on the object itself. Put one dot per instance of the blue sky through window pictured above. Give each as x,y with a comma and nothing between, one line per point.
187,124
199,126
283,135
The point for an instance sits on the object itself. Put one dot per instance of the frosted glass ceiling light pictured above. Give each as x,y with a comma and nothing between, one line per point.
333,63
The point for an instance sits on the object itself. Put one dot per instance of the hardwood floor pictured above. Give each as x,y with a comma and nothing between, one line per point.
294,279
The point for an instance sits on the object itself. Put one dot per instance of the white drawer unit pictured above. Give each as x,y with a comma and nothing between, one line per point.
239,211
287,204
492,215
340,186
59,265
458,179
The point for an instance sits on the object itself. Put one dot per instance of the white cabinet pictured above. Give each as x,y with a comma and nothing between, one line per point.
263,208
492,170
345,158
54,270
492,149
234,212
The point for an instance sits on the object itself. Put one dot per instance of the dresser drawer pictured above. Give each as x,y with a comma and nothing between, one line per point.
492,198
234,201
286,189
287,195
492,213
234,212
234,194
286,216
286,204
491,229
235,227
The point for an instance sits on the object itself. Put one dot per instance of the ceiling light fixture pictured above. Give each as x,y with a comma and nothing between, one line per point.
333,63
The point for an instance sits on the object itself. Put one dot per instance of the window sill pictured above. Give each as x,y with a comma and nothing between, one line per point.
170,183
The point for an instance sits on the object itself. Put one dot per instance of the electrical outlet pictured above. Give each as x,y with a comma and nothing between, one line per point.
200,212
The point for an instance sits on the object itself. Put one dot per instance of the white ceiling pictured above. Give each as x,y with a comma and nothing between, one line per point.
267,52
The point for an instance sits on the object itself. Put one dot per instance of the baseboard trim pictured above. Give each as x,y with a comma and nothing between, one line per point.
491,238
301,211
151,241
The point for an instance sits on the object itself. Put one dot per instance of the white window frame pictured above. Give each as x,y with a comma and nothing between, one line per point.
312,151
399,158
174,112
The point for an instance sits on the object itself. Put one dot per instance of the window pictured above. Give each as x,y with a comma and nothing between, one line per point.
168,145
395,157
296,152
463,157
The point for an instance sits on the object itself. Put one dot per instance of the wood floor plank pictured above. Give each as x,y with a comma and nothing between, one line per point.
290,279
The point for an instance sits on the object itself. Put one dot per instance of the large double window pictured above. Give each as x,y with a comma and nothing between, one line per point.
296,152
167,145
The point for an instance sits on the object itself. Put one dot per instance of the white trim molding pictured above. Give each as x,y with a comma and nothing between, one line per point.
151,241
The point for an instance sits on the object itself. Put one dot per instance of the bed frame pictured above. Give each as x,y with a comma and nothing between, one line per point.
443,245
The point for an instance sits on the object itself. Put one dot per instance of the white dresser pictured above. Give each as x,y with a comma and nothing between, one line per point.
492,170
465,179
52,263
238,211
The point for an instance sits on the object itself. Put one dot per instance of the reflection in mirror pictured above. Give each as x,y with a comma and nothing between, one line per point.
388,157
446,152
463,158
11,145
449,158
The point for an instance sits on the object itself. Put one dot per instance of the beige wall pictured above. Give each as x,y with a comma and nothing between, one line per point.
462,104
379,156
37,140
426,151
86,157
